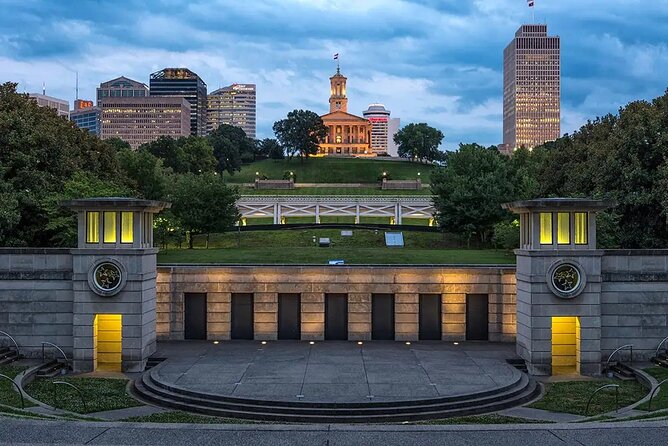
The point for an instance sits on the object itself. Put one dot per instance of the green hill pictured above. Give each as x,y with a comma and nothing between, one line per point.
333,170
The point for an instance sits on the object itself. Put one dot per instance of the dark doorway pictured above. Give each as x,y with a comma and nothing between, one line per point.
289,316
242,316
382,317
430,317
195,316
336,317
477,317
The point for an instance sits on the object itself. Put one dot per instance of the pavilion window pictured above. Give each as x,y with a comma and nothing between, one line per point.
92,227
563,228
581,228
545,228
109,227
127,235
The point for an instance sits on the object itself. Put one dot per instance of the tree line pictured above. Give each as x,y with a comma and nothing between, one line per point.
622,157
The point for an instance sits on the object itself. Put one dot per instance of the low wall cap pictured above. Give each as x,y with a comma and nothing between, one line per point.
116,203
539,204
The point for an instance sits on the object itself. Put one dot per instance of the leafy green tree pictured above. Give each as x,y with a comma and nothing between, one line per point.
39,153
506,235
229,143
118,143
419,142
269,148
470,189
203,204
300,133
145,173
197,155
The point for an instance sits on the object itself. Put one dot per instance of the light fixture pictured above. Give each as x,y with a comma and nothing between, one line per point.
456,343
360,342
264,342
215,342
311,342
408,343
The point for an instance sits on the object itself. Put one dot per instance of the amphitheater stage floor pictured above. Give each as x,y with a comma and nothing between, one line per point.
336,372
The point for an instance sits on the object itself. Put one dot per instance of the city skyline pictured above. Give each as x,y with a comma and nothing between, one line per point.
435,62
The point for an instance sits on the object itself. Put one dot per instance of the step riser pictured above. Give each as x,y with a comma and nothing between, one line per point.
147,389
528,395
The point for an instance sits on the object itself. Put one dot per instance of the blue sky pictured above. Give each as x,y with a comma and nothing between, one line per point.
434,61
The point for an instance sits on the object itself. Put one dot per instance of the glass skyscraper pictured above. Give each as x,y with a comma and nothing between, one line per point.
233,105
181,82
89,118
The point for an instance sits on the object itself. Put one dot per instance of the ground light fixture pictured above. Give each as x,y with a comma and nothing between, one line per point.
264,342
215,342
456,343
408,343
360,342
311,342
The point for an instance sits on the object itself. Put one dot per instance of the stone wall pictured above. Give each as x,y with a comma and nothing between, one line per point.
634,301
359,282
36,298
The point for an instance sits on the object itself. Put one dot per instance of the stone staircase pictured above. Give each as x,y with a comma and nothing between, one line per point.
151,389
8,355
51,369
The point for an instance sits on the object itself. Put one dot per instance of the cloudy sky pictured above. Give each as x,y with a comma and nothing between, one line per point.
434,61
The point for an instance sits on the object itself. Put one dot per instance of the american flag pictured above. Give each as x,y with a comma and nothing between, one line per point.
336,56
530,2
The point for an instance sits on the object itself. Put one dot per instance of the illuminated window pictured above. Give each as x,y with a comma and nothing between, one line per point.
126,227
545,228
563,228
110,227
92,227
581,228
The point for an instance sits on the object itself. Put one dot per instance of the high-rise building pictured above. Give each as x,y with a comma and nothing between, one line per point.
233,105
82,103
121,87
392,129
141,120
379,117
61,106
89,118
531,88
347,135
183,83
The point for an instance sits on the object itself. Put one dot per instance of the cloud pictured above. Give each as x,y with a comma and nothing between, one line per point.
435,61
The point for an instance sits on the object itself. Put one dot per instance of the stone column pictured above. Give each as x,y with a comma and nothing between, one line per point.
359,316
454,317
265,316
219,312
313,316
406,316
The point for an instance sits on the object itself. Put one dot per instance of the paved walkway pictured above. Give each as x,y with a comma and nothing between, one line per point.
336,371
14,432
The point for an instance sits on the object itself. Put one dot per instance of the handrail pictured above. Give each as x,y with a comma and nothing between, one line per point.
14,340
607,363
607,386
55,393
23,404
649,407
67,361
656,353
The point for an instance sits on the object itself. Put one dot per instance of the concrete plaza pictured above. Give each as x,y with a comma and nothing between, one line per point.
340,372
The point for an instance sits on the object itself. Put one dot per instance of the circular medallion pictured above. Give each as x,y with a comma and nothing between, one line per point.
566,279
106,277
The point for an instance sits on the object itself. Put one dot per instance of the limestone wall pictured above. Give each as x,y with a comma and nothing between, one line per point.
634,300
359,282
36,298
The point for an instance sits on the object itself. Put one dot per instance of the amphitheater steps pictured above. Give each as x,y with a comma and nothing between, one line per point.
149,388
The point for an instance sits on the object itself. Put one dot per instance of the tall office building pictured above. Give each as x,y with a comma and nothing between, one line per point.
233,105
181,82
531,88
121,87
82,103
141,120
379,117
89,118
392,129
61,106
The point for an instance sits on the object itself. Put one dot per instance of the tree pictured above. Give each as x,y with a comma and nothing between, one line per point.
203,204
470,189
269,148
229,143
197,155
39,153
145,173
300,133
419,142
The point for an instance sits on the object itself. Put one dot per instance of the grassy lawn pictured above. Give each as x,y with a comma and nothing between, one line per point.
365,246
333,191
8,394
185,417
333,170
100,394
572,396
492,418
660,400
